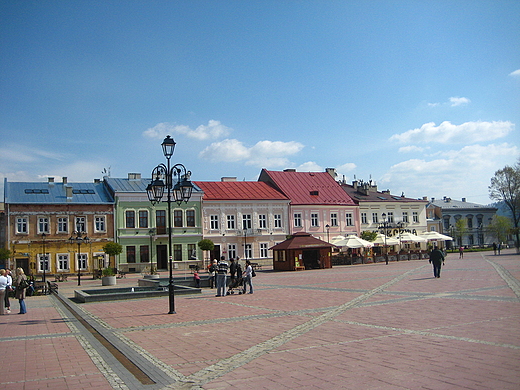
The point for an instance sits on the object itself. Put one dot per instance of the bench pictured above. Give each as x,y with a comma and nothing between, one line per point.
299,268
120,275
60,277
256,266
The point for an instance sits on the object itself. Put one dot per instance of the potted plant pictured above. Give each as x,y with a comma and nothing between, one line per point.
108,277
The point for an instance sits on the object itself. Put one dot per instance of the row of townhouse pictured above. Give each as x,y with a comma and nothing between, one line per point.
243,219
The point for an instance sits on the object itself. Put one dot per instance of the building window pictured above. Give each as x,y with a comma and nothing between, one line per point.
231,222
333,219
374,218
192,251
177,218
213,222
144,254
405,216
415,217
390,217
190,218
248,251
314,220
99,224
43,262
160,221
263,250
262,221
470,222
143,218
471,240
21,225
63,225
232,251
82,261
277,220
43,225
177,252
81,224
130,219
297,220
63,262
247,221
446,223
349,220
364,218
130,254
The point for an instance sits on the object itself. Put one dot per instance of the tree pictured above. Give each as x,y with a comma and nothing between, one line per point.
113,249
206,245
461,228
500,227
505,187
4,254
368,235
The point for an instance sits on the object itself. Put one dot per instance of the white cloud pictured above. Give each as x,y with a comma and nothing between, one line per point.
455,173
213,130
267,154
411,149
310,166
459,101
516,73
446,132
346,167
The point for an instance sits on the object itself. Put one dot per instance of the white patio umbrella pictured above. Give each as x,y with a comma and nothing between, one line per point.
409,237
382,240
436,236
353,242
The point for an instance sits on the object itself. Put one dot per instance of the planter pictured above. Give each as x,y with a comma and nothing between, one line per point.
108,280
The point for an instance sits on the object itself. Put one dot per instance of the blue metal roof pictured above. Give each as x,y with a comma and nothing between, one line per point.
55,193
133,185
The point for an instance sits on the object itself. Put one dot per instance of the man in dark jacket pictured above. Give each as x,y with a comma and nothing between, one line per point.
437,259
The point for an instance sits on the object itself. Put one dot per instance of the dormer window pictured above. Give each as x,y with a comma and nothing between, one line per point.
315,193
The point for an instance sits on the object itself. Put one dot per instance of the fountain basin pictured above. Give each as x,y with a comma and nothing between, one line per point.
112,294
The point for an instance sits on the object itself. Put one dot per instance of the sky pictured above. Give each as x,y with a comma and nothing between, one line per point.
422,97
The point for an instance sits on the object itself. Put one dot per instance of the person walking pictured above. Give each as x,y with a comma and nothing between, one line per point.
222,269
495,248
20,290
437,259
461,252
8,290
232,270
248,277
212,269
3,286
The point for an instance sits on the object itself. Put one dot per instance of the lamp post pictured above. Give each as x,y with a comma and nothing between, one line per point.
327,226
385,226
79,238
163,177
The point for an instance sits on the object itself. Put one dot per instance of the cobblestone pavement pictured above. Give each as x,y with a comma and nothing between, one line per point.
370,326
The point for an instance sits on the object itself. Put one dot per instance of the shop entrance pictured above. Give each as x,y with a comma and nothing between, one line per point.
162,257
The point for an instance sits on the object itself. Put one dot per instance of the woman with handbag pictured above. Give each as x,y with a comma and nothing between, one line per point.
21,284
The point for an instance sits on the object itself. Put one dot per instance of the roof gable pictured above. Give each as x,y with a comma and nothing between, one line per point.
308,188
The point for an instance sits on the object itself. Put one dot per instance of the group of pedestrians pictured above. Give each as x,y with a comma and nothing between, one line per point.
7,285
238,278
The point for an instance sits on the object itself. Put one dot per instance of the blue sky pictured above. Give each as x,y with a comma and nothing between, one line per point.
421,97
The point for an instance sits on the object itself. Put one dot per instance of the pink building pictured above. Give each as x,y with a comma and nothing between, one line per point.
318,203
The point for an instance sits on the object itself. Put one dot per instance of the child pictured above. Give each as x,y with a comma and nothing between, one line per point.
196,277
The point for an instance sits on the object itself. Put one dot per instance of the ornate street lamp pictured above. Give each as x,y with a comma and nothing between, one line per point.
327,226
79,238
44,263
384,226
163,178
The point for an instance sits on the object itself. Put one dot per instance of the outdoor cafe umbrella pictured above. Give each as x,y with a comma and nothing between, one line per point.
436,236
353,242
382,240
409,237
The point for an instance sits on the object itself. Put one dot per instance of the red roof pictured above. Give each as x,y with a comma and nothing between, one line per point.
301,240
306,188
239,190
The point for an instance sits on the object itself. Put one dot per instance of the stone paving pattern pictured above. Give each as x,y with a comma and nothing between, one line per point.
372,326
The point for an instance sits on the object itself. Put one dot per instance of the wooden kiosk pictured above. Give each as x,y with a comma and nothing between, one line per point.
300,252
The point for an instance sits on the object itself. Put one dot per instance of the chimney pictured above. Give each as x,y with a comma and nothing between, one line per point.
426,198
463,199
228,178
354,184
332,172
134,176
97,181
64,178
68,191
290,170
51,180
